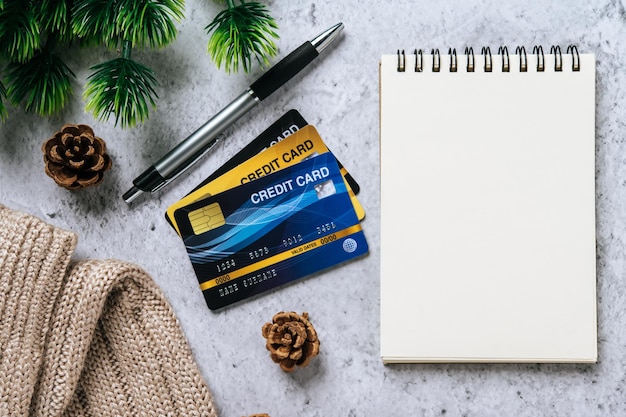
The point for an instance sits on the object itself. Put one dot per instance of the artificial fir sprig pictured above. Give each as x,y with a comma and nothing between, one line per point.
240,33
33,73
53,16
123,88
3,95
94,22
148,23
43,82
19,30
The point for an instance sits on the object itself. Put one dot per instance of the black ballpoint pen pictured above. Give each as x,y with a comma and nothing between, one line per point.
199,143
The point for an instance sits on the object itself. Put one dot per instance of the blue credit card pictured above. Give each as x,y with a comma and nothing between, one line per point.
271,231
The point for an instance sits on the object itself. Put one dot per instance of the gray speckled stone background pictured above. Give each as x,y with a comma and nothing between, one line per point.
339,95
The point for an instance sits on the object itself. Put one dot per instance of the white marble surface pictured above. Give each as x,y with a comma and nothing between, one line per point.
339,95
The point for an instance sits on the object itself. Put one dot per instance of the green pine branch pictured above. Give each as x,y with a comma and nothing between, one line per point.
94,21
240,34
149,23
123,88
43,83
19,30
35,75
3,95
53,15
146,23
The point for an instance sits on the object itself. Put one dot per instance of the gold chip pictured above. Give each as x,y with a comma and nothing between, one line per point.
206,218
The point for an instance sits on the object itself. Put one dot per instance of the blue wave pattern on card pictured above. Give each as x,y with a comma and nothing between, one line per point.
249,221
244,226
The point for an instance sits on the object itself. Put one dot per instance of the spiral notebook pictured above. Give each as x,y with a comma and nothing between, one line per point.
488,206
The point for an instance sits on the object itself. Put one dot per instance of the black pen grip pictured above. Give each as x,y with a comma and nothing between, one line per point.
282,72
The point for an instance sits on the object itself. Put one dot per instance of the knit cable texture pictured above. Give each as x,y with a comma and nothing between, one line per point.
89,338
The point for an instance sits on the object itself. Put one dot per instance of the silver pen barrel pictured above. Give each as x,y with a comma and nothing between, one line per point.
196,143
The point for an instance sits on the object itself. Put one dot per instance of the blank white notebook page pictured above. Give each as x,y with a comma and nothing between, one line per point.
488,210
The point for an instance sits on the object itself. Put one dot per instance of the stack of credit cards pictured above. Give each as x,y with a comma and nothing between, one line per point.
279,210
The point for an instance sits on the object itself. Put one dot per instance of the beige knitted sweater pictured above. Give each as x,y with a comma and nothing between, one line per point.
91,338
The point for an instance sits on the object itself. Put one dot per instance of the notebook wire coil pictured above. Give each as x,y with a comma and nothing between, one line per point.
488,60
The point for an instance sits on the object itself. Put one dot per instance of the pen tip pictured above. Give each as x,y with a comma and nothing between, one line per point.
132,194
337,27
321,41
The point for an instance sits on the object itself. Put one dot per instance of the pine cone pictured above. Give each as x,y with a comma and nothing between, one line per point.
291,340
75,157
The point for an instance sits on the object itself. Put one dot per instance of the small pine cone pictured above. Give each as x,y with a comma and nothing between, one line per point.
75,157
291,340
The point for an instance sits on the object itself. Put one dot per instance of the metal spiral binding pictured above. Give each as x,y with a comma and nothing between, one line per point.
504,52
523,61
452,53
486,52
419,59
436,60
469,52
538,50
558,59
572,49
401,61
488,61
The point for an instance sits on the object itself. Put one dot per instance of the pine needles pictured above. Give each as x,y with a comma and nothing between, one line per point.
3,94
43,83
145,23
19,31
241,33
123,88
53,17
37,78
149,23
93,21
